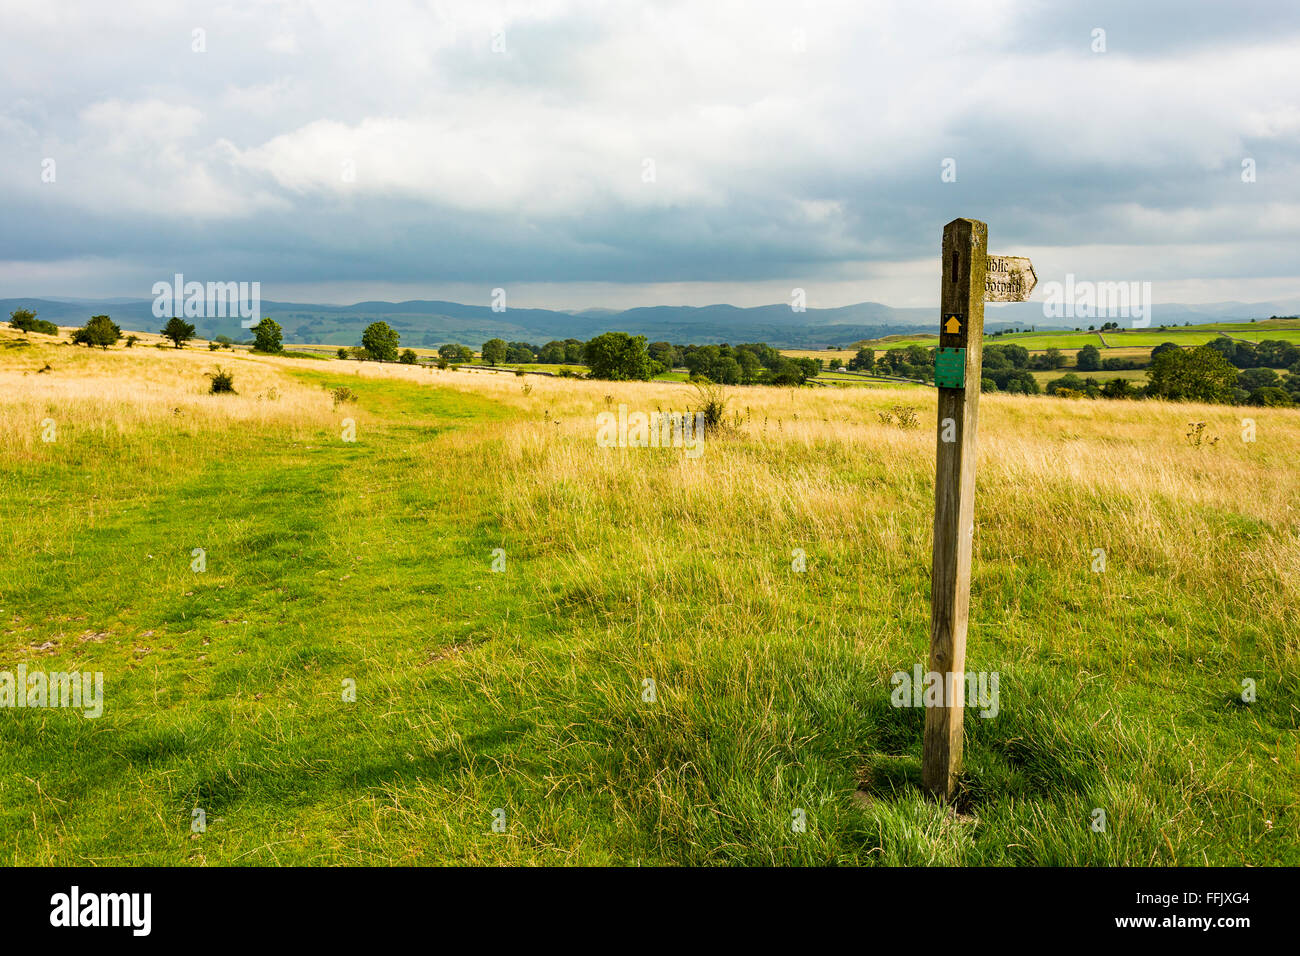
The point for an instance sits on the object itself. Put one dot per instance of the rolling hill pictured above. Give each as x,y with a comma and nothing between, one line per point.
433,322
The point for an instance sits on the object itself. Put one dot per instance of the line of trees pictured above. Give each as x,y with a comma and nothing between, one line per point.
619,356
556,352
1201,374
914,362
1222,371
455,354
752,363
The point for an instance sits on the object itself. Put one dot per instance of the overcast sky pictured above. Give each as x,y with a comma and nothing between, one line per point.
614,154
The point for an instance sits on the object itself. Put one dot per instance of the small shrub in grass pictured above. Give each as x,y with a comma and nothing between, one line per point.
1197,436
713,404
904,416
131,340
213,346
408,357
223,381
343,394
520,373
343,353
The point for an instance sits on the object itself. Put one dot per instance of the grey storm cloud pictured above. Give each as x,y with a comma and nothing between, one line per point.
570,142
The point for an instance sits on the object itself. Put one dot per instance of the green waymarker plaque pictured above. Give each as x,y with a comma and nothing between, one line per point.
950,368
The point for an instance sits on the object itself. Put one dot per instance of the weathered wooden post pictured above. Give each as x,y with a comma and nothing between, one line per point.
970,276
957,366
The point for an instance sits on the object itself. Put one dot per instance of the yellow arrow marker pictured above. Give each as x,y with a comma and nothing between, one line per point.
952,326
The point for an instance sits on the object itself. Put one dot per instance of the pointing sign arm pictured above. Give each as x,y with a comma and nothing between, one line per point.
1008,279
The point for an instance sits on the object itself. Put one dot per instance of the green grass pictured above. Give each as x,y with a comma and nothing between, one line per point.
1199,335
538,367
295,538
859,381
1133,375
582,370
1040,341
522,690
291,353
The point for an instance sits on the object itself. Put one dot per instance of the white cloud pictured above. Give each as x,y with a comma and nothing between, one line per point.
121,127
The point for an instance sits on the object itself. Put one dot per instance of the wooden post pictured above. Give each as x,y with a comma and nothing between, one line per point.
957,373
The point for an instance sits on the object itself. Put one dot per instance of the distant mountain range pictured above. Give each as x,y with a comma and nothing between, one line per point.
431,323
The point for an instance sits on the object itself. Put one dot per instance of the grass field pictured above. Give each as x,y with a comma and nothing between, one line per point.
669,376
554,369
1197,335
846,380
1136,376
522,696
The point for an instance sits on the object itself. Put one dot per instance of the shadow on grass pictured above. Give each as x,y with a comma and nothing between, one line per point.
310,781
1044,748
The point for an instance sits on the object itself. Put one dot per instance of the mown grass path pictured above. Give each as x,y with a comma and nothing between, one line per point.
323,561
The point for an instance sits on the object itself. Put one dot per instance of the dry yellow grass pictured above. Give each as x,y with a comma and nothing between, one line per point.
122,389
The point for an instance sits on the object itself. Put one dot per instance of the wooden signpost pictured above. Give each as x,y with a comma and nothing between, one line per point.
970,277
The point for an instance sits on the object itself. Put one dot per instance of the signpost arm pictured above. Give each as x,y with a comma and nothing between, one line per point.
965,246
